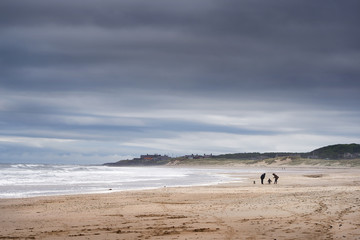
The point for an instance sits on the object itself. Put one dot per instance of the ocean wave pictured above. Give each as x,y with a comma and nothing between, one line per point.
27,180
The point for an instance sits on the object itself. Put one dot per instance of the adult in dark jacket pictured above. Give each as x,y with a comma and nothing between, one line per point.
276,177
262,178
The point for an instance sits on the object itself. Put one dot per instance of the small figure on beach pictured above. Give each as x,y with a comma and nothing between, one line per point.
276,177
262,177
269,181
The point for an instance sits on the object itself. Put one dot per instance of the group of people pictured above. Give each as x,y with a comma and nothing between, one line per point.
262,177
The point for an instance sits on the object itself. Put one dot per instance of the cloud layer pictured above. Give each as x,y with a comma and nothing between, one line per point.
103,80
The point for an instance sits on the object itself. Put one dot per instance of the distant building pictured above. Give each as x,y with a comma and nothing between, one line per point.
351,155
154,157
197,156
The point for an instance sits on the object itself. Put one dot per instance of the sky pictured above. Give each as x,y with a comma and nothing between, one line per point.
89,82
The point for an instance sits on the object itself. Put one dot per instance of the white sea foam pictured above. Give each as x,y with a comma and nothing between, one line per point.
28,180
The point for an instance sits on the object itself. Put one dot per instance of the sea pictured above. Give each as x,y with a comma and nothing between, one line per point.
31,180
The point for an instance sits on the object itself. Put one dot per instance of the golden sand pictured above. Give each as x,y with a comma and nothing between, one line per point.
325,205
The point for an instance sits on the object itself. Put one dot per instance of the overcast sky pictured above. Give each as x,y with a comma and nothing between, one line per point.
98,81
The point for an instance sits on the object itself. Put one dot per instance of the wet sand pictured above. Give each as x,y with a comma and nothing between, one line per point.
322,205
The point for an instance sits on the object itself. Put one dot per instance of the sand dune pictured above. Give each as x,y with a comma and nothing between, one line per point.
325,205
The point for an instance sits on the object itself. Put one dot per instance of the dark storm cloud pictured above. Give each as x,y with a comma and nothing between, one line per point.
135,69
204,45
106,13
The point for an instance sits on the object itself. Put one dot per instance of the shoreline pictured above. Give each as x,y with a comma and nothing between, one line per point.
324,205
72,181
232,173
234,176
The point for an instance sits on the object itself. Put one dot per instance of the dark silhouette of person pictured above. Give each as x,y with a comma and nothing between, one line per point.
262,178
276,177
269,181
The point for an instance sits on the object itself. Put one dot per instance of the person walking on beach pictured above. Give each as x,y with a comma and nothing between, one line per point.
269,181
262,178
276,177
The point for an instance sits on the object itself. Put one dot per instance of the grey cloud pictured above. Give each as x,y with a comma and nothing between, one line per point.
227,41
64,64
105,14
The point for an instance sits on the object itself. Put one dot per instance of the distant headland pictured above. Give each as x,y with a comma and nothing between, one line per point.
333,155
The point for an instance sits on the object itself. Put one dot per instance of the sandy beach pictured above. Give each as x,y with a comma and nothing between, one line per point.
325,205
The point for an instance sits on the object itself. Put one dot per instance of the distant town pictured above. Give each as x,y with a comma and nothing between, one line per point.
333,152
